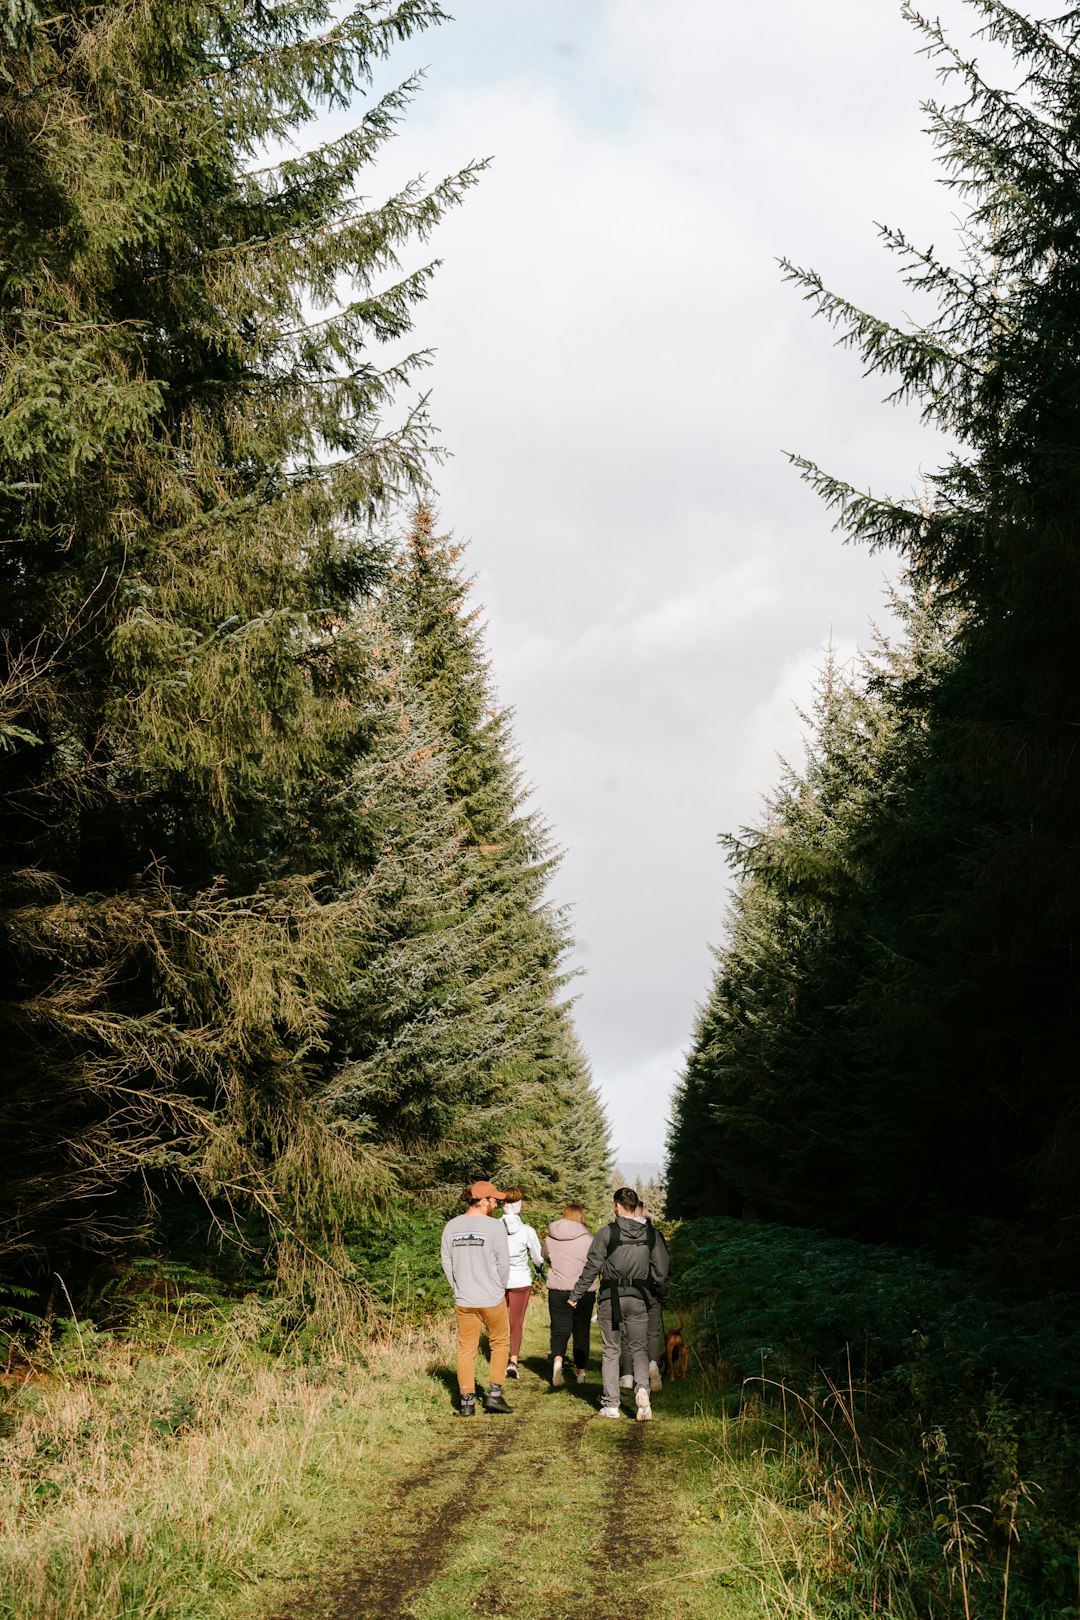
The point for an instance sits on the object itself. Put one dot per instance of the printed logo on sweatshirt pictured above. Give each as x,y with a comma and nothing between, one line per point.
468,1240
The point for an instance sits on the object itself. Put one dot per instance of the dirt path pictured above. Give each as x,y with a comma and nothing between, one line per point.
547,1513
419,1523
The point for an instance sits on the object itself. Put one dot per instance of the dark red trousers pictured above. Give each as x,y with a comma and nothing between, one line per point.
517,1302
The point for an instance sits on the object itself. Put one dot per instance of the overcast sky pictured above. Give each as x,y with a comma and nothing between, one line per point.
620,368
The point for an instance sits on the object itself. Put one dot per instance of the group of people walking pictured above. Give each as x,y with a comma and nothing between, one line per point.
623,1269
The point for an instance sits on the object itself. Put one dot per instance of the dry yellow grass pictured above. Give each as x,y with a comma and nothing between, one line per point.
169,1484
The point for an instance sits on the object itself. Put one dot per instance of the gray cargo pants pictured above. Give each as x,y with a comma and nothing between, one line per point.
656,1338
635,1334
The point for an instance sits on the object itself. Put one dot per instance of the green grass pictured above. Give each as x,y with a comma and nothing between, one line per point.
197,1476
214,1480
547,1513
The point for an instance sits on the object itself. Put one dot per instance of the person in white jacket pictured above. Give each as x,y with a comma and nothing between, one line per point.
524,1246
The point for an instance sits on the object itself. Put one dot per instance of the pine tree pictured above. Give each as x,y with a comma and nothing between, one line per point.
807,1090
957,1012
997,369
421,1018
195,435
522,1106
580,1153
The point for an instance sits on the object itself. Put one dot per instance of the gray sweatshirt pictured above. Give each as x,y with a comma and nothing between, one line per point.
476,1260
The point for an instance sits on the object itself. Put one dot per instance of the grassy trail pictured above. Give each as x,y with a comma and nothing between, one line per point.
212,1480
548,1512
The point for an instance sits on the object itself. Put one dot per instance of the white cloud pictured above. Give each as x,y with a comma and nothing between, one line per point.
644,1088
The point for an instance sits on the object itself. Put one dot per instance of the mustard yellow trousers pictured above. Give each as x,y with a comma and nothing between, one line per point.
471,1320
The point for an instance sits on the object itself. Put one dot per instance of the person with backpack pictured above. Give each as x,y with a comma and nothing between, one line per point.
565,1249
633,1267
656,1327
524,1245
476,1260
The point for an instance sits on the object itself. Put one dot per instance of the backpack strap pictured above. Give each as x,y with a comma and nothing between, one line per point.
615,1237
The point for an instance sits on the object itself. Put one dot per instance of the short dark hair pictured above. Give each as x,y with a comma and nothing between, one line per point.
627,1197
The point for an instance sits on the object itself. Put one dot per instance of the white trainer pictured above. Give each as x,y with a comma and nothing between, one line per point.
626,1381
609,1411
556,1374
644,1408
656,1383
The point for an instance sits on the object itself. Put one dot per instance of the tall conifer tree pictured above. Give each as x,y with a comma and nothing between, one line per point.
195,433
524,1101
803,1097
959,1009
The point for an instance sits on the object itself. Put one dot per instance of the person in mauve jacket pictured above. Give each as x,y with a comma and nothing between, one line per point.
565,1249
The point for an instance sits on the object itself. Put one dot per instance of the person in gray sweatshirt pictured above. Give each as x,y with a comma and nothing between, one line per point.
634,1268
476,1260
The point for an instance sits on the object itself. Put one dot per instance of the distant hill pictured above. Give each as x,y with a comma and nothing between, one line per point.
632,1172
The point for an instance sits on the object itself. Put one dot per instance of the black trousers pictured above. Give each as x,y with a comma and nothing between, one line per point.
566,1321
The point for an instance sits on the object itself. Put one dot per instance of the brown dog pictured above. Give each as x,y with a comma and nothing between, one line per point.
676,1355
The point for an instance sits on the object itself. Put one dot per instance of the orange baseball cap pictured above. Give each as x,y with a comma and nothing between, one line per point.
485,1189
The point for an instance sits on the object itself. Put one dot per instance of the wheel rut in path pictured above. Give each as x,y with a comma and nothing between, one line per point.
632,1533
572,1520
628,1541
380,1586
499,1595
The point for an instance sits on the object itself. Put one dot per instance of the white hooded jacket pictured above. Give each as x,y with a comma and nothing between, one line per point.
524,1246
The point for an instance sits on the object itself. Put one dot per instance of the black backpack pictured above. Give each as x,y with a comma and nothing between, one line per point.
611,1286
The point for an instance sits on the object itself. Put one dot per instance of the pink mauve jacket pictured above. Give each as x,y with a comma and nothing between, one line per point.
564,1249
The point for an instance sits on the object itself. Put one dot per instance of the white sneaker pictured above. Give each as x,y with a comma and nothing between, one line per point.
609,1411
626,1381
579,1374
656,1383
644,1409
556,1374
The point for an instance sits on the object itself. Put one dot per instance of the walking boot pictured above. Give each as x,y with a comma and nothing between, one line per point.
494,1402
468,1406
